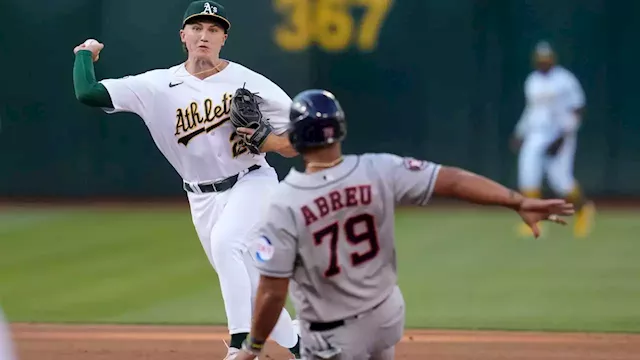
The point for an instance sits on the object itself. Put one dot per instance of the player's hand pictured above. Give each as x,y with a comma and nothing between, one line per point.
92,45
532,211
245,133
273,142
243,355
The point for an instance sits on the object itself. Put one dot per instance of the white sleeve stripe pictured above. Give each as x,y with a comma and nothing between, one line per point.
276,274
431,186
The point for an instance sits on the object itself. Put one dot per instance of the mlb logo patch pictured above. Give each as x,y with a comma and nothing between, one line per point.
264,249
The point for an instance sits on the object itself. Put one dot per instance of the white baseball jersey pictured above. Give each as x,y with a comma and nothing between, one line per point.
550,101
332,232
188,118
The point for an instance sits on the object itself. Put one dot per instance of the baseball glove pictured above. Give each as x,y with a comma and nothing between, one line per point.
554,147
245,112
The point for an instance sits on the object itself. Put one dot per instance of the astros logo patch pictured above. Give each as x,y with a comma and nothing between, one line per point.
415,164
264,249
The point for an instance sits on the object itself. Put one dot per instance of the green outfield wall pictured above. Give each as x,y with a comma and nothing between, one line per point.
437,79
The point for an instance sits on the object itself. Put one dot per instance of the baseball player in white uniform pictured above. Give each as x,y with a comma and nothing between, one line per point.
187,110
546,135
7,351
330,230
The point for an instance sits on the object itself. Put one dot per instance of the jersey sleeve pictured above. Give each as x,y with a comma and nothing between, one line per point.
275,107
412,180
521,126
129,94
576,98
277,245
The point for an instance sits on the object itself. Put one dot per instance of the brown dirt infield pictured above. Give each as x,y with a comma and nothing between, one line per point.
102,342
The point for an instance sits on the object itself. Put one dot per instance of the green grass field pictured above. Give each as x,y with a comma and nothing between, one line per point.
458,269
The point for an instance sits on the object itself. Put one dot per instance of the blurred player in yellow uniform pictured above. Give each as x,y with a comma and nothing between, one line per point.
546,135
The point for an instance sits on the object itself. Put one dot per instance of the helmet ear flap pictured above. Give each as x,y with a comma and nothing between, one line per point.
316,132
293,139
317,120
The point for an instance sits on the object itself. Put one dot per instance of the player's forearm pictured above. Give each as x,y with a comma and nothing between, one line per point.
88,90
573,121
279,144
467,186
270,299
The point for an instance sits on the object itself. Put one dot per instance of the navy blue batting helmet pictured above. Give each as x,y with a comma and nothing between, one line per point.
317,120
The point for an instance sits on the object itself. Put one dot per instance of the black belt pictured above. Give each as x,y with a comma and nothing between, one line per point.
218,186
326,326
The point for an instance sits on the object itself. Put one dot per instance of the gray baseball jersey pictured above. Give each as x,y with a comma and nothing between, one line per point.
332,232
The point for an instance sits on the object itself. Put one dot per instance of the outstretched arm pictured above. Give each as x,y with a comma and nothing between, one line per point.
465,185
415,181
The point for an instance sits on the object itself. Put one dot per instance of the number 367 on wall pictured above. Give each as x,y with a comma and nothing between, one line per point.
330,23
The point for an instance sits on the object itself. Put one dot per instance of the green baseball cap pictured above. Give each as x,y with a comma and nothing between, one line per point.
206,8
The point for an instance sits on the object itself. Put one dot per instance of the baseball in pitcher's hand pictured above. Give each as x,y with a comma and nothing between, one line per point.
533,211
92,45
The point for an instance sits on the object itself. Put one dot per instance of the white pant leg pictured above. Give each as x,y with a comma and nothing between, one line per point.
230,240
256,189
531,161
560,167
205,210
226,258
7,351
239,214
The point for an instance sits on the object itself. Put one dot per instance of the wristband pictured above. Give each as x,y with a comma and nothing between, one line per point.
251,345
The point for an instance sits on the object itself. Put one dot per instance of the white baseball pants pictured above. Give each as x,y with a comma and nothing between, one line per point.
534,163
227,223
